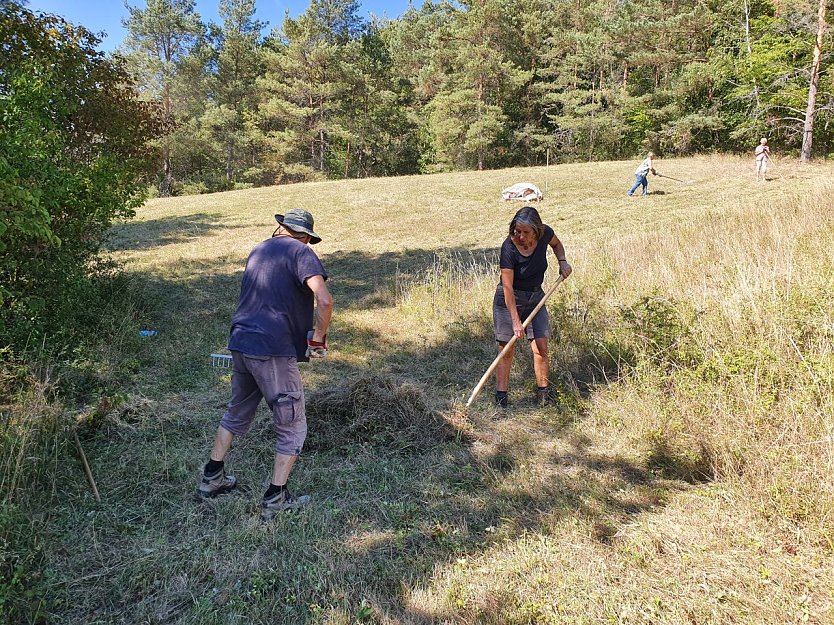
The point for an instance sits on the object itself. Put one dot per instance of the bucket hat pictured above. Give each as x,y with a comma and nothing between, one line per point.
299,220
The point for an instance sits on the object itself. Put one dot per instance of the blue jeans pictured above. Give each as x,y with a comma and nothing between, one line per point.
641,180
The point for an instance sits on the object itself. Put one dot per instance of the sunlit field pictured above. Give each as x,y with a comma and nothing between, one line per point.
685,474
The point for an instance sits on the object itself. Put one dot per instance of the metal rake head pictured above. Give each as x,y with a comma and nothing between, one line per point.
221,361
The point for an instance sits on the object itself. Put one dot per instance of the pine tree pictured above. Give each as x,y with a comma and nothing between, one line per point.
580,82
158,41
303,88
378,137
467,118
230,117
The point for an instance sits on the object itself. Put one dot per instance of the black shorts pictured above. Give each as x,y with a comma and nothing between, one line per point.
525,302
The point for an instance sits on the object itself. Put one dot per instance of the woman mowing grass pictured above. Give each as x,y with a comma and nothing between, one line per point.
523,264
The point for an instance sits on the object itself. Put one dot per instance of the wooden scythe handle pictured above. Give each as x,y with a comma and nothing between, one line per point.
511,342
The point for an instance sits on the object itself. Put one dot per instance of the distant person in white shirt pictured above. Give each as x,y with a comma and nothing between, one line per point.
641,173
762,157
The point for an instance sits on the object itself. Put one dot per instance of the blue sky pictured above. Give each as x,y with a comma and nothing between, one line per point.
106,15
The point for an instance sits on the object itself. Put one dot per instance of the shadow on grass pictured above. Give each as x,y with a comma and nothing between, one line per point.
404,479
154,233
362,280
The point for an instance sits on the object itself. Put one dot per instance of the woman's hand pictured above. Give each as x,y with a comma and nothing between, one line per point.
565,269
518,328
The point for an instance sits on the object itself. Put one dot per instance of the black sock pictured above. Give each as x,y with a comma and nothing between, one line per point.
213,466
501,399
543,388
274,489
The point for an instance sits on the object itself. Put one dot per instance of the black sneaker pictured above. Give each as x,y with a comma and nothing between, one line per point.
212,485
281,501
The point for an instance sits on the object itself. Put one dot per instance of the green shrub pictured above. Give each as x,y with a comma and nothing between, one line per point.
660,328
72,157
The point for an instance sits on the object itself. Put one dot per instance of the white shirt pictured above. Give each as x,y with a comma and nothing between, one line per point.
644,168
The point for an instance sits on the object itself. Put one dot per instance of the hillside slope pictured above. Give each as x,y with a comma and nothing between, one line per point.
685,474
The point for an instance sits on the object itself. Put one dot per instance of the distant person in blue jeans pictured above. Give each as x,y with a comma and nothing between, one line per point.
641,173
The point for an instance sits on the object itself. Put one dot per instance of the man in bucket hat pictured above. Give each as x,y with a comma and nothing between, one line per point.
282,295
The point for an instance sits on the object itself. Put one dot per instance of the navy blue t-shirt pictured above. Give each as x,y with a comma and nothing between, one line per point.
528,271
275,310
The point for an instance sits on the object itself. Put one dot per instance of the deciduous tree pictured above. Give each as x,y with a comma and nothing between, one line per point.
72,156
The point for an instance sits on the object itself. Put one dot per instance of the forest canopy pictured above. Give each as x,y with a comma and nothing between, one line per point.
476,84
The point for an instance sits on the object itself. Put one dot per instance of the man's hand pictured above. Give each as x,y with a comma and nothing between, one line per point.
316,349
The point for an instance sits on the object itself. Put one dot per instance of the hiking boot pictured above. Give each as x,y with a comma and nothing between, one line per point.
281,501
212,485
501,399
545,397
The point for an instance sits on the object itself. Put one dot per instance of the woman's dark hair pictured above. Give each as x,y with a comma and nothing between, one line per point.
528,216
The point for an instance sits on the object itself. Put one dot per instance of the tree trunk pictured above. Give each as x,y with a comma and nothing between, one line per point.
808,133
480,103
166,187
311,105
321,150
167,184
750,51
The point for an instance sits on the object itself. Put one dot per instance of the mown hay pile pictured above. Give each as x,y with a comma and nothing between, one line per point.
375,410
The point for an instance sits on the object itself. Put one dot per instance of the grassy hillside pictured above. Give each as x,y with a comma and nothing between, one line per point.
684,476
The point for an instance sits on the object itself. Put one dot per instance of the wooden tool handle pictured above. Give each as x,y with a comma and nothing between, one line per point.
511,342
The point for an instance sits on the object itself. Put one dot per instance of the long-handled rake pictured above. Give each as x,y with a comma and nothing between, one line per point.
511,342
675,179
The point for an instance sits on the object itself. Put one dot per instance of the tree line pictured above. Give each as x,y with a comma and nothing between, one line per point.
186,106
474,84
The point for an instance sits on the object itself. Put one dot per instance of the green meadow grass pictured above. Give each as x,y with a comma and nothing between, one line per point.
684,476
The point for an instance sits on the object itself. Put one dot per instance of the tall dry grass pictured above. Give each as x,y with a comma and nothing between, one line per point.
706,351
755,285
718,333
716,337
